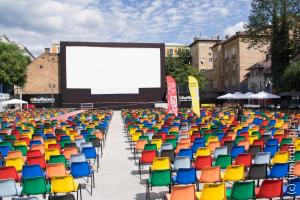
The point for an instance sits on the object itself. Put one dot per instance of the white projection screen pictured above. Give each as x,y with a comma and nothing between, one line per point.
111,72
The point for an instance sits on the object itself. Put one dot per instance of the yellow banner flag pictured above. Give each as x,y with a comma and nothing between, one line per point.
194,91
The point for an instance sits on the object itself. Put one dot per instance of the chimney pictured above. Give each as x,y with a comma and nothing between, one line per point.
47,50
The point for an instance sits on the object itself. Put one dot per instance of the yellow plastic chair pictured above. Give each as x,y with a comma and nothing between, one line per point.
15,162
51,152
158,143
64,184
212,139
135,136
281,157
202,151
50,141
161,163
234,173
252,138
212,191
20,143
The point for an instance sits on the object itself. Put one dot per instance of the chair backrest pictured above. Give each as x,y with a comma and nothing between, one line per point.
236,150
38,160
15,154
8,188
9,172
89,152
168,153
257,171
30,171
67,152
293,187
215,191
140,144
160,178
220,151
34,186
148,156
262,158
25,198
203,151
279,170
229,145
33,153
56,169
210,175
243,190
15,162
186,152
203,161
223,161
51,152
270,189
186,176
85,144
183,192
254,149
58,159
160,163
40,147
80,169
272,149
63,184
244,159
234,173
182,162
281,157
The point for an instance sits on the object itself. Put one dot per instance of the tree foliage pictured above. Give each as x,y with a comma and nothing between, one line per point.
179,67
275,23
12,65
291,77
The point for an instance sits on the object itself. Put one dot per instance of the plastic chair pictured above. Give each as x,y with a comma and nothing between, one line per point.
242,190
67,152
210,175
62,197
65,184
270,189
293,188
51,152
33,153
254,149
234,173
257,172
9,188
272,149
35,186
139,147
58,159
279,170
195,146
182,192
37,160
203,151
91,153
186,152
244,159
168,153
56,169
236,150
181,162
147,157
9,173
203,161
185,176
215,191
39,147
281,157
262,158
83,169
158,178
223,161
4,150
220,151
14,154
15,162
30,171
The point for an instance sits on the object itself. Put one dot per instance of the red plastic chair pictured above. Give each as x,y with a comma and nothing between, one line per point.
245,134
279,137
9,172
203,161
270,189
244,159
33,153
55,146
37,160
225,139
195,135
260,143
147,157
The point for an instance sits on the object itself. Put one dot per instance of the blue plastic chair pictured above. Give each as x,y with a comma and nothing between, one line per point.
185,176
236,150
186,152
30,171
293,188
91,153
195,146
4,150
272,149
279,170
272,142
33,142
81,170
199,140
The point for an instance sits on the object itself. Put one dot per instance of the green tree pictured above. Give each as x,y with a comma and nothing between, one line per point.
179,67
275,23
12,65
291,77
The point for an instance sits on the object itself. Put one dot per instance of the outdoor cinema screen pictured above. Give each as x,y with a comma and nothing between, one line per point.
112,72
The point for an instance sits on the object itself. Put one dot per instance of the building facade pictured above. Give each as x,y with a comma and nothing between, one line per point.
43,81
171,49
232,58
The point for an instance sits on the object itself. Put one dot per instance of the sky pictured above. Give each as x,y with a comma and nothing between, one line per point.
38,23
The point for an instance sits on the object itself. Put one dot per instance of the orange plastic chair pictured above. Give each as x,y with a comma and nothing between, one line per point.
182,192
210,175
15,154
56,169
213,145
40,147
67,152
245,143
182,146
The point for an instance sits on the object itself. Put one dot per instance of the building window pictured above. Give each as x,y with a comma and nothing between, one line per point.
226,83
171,52
202,60
234,67
41,67
202,70
210,60
210,49
209,53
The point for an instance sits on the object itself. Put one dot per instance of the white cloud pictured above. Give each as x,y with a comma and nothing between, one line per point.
36,23
231,30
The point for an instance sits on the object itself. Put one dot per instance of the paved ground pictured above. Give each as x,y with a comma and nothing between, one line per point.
67,115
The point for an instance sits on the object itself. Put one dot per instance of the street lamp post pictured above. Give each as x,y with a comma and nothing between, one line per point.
51,87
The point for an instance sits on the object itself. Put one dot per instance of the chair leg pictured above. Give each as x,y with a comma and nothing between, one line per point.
91,186
140,169
97,163
147,192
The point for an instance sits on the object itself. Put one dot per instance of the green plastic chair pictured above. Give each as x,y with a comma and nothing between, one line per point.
150,147
158,178
285,141
297,156
22,148
241,191
174,133
144,137
7,144
173,142
207,135
223,161
63,142
256,133
58,159
34,186
238,139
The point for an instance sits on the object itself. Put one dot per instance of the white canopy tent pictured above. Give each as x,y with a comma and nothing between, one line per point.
238,95
14,102
226,96
248,94
264,95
